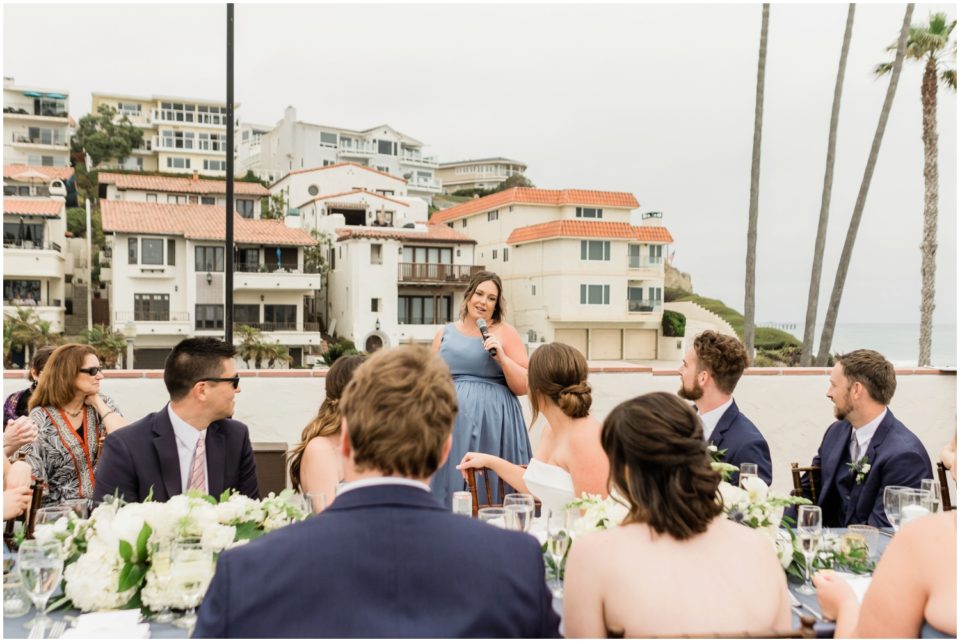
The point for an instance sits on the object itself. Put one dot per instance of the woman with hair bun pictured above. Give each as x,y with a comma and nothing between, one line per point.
676,565
569,460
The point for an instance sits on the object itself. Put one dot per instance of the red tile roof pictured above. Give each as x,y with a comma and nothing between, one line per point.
12,171
194,222
50,207
433,233
534,196
152,183
320,169
578,229
356,191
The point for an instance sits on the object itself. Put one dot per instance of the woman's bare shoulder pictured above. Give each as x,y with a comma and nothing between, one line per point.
321,446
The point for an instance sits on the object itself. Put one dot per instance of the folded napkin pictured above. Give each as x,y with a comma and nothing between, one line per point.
109,625
859,583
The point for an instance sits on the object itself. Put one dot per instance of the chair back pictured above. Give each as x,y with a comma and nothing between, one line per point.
489,499
806,631
28,517
812,474
944,487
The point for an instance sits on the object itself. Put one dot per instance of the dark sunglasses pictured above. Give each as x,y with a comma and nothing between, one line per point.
233,380
94,371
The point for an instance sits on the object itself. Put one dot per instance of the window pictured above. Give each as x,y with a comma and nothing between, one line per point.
494,253
178,199
656,254
313,190
386,147
151,198
594,294
215,165
533,290
418,310
17,291
211,142
594,250
45,136
633,255
151,251
506,254
171,252
151,307
493,216
374,305
376,254
463,223
328,138
385,192
245,207
589,212
209,317
45,161
208,258
19,234
128,109
246,314
132,251
174,162
208,200
280,317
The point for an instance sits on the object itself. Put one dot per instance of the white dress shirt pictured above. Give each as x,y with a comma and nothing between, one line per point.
865,432
712,418
187,437
381,481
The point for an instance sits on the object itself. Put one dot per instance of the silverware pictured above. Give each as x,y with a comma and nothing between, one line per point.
887,531
57,629
795,601
36,631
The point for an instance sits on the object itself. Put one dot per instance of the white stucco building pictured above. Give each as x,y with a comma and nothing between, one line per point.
481,173
573,267
36,125
173,190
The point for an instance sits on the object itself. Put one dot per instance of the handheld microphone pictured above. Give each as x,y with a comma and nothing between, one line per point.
485,334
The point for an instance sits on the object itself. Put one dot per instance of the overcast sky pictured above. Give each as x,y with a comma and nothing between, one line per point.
652,99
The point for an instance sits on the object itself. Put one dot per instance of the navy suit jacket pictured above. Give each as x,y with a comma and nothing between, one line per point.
381,561
743,443
143,455
896,458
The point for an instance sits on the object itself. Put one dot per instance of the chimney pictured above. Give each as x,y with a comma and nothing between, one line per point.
196,175
652,219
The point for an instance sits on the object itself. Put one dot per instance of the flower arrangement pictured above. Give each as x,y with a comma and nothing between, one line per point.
109,557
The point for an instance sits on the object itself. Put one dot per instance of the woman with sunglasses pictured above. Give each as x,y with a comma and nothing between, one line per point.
72,418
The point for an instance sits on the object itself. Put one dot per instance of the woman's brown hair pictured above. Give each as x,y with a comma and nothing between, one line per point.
327,421
57,386
659,462
500,309
558,372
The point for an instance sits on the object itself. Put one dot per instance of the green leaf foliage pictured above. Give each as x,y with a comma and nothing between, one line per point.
674,324
126,551
142,539
103,137
131,575
247,530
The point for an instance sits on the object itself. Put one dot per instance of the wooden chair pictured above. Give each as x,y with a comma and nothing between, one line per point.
484,474
806,631
813,476
29,517
944,487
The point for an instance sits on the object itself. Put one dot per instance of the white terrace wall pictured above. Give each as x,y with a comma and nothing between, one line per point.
789,406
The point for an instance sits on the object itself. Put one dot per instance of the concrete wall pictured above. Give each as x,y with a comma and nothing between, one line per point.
790,409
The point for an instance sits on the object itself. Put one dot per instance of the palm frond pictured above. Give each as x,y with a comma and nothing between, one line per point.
882,69
949,78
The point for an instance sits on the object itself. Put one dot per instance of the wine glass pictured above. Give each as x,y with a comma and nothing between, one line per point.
79,506
40,565
191,569
559,538
746,471
519,507
911,505
809,530
932,486
160,563
891,504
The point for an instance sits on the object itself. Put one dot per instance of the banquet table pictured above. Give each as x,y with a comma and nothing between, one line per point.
13,628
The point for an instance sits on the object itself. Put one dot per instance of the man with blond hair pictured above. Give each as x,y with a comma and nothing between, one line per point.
386,559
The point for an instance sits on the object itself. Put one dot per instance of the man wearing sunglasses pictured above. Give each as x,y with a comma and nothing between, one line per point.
192,444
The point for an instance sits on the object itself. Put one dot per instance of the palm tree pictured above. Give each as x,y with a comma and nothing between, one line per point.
26,330
813,296
929,43
749,294
826,337
108,343
252,347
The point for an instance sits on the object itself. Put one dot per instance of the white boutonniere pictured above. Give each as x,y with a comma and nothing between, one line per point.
859,469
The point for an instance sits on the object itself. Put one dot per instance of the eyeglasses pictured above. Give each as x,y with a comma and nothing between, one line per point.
233,380
93,372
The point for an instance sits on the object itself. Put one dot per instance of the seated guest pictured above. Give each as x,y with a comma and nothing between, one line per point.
315,465
914,588
400,564
191,444
676,565
18,403
709,373
867,449
72,419
569,460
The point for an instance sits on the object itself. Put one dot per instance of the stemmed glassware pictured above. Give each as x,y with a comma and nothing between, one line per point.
519,515
747,471
191,569
493,516
40,565
809,531
891,504
912,504
559,537
52,514
160,563
932,486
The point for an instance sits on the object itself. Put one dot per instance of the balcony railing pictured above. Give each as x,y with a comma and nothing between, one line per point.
417,157
436,272
31,245
275,326
151,316
643,305
358,149
423,183
39,140
273,268
49,113
637,262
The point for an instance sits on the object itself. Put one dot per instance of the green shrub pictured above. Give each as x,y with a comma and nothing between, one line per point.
674,324
337,349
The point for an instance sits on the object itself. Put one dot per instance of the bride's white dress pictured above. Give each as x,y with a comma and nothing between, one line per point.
552,485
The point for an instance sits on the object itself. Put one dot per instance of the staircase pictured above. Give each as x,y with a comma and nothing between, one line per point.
76,323
700,319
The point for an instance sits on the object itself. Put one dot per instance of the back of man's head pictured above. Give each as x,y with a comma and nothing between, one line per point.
724,357
400,407
194,359
873,371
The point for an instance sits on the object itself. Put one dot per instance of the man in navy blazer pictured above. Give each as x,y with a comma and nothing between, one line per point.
709,373
385,559
190,444
868,448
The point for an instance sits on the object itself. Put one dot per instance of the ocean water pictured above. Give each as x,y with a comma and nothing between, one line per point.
898,342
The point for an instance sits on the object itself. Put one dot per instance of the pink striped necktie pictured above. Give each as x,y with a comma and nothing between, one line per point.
198,479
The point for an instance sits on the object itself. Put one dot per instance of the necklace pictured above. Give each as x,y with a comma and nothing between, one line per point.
74,413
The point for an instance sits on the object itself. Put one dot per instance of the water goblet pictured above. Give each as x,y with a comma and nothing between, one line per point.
870,534
316,501
891,504
932,486
191,569
40,565
160,563
809,530
493,516
747,471
15,601
519,507
911,505
79,506
53,514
